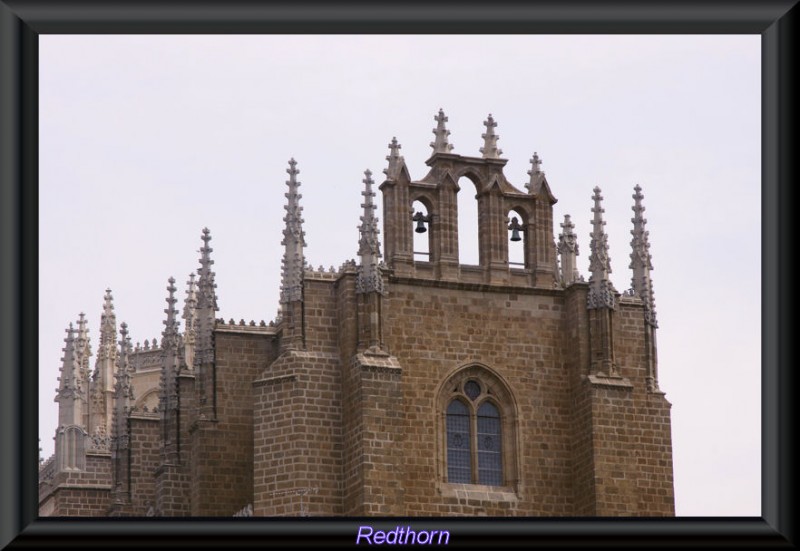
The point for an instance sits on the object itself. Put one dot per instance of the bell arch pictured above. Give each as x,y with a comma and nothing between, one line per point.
468,217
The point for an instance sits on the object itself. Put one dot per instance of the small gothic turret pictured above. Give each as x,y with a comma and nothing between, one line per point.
440,143
395,160
601,291
568,250
641,261
490,149
369,247
293,241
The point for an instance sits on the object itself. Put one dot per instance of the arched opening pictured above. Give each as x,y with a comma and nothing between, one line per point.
468,241
478,438
517,236
421,219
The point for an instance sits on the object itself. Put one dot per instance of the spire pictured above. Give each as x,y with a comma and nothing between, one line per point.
440,143
369,247
601,291
536,174
395,160
568,249
641,261
70,394
104,367
490,149
293,241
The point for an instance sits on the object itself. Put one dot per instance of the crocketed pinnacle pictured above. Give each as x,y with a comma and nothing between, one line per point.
190,307
293,263
108,321
369,248
601,291
69,367
440,143
171,331
641,260
534,185
123,391
490,149
206,304
395,160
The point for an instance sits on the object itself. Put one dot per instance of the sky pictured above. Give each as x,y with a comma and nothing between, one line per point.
146,140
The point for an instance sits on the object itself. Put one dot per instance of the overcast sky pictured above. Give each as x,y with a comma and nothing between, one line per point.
144,140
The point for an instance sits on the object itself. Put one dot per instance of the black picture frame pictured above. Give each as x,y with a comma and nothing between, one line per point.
22,21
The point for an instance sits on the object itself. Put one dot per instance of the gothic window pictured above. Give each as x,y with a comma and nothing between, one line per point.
479,432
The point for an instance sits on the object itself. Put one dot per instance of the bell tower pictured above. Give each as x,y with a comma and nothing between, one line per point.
504,212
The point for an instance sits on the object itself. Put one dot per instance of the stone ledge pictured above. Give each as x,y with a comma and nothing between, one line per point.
276,380
82,487
612,382
478,492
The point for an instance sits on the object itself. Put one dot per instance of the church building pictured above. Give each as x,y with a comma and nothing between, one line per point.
404,383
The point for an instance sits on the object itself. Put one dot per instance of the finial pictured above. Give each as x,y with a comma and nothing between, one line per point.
440,143
536,175
568,249
641,260
395,160
601,291
490,149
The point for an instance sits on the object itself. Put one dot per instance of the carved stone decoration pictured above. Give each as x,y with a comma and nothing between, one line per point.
490,149
568,250
440,143
536,175
601,290
369,248
641,260
293,263
395,162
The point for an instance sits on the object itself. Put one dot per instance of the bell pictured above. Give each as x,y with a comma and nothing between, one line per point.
515,227
420,220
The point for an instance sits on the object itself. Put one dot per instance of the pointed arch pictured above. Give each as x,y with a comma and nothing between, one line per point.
476,406
468,218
